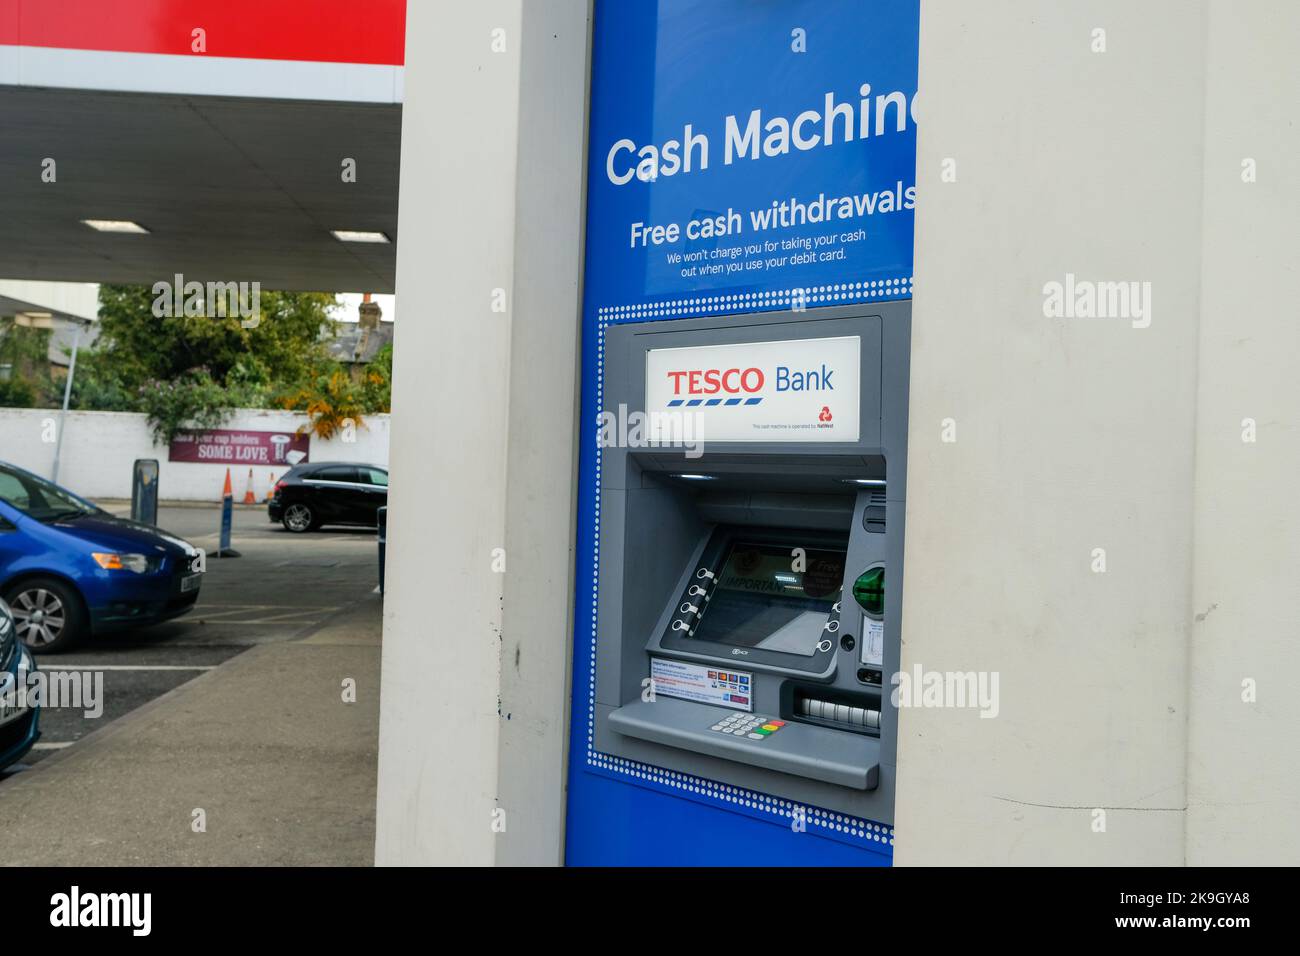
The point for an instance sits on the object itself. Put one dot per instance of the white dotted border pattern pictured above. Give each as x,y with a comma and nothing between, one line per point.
816,295
758,803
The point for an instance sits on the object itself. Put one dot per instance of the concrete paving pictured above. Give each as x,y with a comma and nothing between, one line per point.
258,737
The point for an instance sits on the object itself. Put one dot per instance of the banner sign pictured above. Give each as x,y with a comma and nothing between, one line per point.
804,390
226,446
749,148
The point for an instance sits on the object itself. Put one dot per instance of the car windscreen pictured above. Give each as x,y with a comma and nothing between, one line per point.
39,498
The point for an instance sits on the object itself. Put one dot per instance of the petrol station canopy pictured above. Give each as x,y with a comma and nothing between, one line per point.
240,159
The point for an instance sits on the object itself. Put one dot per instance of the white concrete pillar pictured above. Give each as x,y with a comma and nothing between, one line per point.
476,630
1243,778
1103,141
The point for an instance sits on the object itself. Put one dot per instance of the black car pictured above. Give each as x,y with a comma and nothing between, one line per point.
328,492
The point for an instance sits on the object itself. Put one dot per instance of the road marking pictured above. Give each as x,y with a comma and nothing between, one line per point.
274,607
263,622
61,666
214,615
221,616
276,618
52,744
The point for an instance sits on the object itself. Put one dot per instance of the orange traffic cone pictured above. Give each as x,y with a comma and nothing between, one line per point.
270,488
226,491
249,497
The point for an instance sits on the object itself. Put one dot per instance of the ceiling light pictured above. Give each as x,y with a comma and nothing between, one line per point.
695,477
869,482
116,225
353,235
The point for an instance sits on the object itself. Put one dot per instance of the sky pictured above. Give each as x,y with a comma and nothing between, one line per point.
349,301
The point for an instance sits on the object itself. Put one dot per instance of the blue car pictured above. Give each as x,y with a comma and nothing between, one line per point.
19,719
70,570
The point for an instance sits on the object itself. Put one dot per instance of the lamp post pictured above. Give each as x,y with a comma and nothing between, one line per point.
45,320
67,396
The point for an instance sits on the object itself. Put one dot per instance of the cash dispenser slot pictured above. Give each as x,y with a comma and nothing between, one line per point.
859,715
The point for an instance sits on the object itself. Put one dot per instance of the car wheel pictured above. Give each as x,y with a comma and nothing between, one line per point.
48,614
298,518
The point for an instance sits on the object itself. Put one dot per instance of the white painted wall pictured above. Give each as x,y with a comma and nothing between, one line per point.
99,449
1080,434
473,718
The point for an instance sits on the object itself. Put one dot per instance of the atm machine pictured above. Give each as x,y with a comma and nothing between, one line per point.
750,577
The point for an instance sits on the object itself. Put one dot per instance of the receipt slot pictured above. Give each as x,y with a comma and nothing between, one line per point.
750,550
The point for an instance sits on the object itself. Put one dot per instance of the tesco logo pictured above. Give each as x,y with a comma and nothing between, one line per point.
732,381
736,381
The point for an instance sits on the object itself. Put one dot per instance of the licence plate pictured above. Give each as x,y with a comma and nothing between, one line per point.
191,582
9,709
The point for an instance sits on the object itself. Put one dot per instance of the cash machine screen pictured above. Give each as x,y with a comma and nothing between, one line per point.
766,597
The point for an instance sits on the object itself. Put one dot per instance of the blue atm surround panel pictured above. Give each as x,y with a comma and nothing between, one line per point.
800,244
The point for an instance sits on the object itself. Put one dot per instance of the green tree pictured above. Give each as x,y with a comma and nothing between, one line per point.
99,385
24,356
191,400
190,371
333,395
279,346
377,381
17,393
330,398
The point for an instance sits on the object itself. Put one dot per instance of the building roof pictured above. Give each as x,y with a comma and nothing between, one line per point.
61,336
356,344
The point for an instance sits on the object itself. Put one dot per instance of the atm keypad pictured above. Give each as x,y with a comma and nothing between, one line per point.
748,726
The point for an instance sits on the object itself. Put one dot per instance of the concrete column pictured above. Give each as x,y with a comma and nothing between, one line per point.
476,628
1074,436
543,429
1120,691
1243,778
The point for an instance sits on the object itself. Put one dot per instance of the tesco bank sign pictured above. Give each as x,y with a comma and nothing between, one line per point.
800,390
